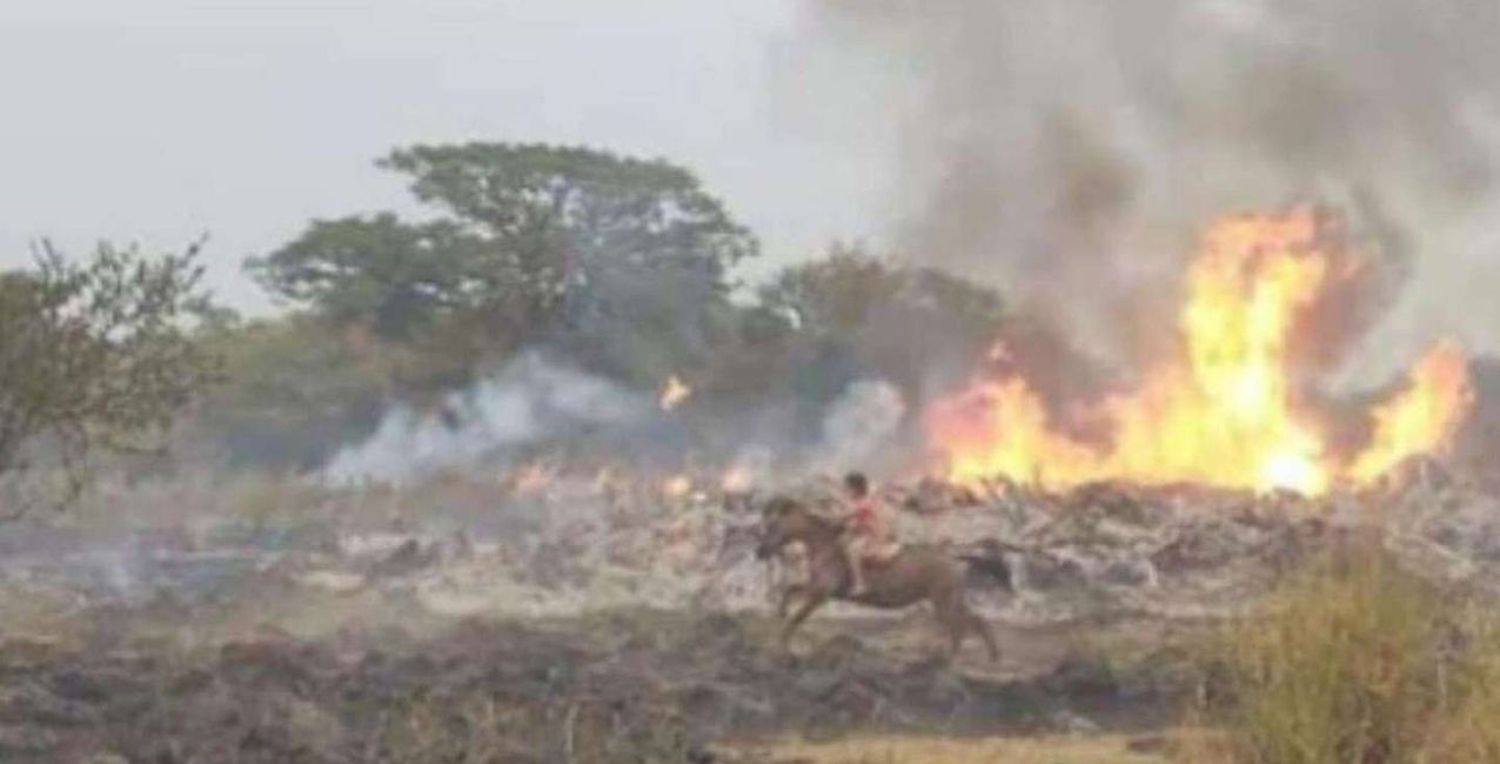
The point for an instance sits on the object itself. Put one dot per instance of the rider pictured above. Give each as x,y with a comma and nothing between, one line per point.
866,533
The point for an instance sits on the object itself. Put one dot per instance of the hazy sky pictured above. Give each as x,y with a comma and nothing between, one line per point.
158,120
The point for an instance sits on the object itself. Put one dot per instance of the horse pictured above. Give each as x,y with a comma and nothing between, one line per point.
915,574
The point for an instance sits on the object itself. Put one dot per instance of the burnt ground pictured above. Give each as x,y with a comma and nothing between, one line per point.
630,686
634,631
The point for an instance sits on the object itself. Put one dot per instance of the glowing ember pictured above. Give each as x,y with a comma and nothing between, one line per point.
677,486
534,478
1227,412
673,393
736,480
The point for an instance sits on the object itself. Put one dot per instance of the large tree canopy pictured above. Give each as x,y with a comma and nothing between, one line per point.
528,240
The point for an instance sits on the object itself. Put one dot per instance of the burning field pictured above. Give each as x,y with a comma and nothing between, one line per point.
527,469
460,588
1161,336
552,616
552,567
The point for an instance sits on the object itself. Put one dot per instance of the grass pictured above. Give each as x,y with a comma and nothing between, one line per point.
1358,661
1106,749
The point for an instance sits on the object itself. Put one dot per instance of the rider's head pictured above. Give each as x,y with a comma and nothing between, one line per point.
857,484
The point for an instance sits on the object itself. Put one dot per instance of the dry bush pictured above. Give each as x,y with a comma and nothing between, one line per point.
1469,730
1358,661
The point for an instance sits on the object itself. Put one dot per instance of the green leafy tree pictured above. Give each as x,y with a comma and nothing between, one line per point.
852,312
530,242
379,272
97,355
298,388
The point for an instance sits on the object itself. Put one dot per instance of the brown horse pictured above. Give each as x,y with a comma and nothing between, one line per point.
915,574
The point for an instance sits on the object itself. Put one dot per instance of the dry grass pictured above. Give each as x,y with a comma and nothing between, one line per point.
1356,660
1469,731
1107,749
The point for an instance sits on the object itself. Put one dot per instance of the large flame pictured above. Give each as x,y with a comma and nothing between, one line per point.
1227,412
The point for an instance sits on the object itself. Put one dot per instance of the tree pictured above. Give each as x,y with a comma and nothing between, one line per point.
379,272
296,390
531,241
854,313
99,355
850,292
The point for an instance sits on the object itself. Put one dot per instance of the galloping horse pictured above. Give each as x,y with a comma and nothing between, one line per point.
913,575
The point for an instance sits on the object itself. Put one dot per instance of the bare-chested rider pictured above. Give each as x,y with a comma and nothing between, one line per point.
866,534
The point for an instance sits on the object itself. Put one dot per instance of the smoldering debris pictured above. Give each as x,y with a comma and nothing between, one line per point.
553,544
352,622
376,631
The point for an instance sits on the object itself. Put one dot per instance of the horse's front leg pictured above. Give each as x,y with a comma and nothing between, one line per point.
815,600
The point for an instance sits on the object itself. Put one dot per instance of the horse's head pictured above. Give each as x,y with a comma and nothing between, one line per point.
783,520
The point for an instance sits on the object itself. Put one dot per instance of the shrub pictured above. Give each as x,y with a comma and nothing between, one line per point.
1358,660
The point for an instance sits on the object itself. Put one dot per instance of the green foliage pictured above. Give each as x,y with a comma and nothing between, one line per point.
538,201
536,242
900,321
621,264
98,355
849,291
381,272
298,388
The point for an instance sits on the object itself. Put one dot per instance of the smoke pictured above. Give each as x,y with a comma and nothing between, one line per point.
1072,149
529,400
859,424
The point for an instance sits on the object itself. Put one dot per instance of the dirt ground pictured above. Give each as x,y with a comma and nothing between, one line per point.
352,627
628,686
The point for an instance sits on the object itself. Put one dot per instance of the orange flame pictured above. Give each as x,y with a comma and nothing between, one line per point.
737,479
1420,419
1226,413
534,478
673,393
677,486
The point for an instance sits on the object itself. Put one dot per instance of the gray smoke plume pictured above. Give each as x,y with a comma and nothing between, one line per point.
859,423
1072,148
530,399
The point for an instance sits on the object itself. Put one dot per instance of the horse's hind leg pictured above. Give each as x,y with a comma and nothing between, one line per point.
950,614
959,619
979,626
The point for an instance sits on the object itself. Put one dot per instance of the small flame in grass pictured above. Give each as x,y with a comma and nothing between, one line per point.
673,393
534,478
677,486
736,479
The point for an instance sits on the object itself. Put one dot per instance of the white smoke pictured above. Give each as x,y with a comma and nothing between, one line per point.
859,424
528,400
